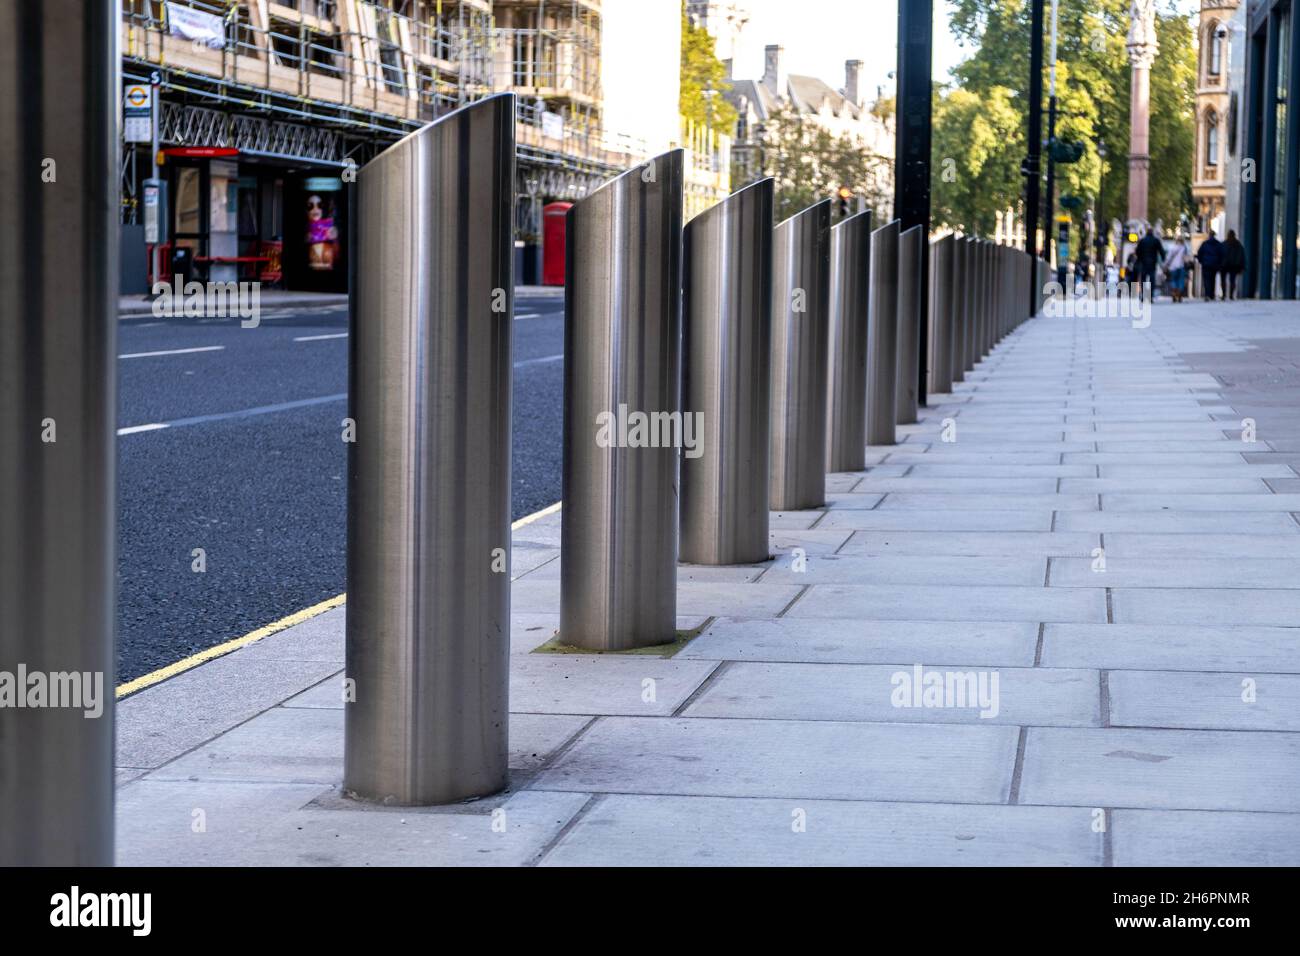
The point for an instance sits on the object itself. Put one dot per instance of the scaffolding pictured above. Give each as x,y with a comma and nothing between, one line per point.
330,81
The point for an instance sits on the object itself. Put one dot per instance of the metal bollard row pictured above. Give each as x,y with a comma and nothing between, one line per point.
727,364
975,302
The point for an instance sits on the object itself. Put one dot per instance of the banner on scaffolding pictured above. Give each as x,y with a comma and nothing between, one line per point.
195,25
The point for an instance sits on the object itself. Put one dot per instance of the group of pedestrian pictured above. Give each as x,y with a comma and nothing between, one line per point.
1224,260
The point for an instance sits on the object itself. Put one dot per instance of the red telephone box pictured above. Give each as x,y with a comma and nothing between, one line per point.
553,234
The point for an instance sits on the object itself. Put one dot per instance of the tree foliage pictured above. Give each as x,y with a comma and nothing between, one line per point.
809,164
703,80
980,120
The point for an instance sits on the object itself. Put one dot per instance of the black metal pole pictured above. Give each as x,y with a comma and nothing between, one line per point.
1049,203
912,150
1034,140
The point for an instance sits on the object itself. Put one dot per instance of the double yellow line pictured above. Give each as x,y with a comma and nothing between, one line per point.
306,614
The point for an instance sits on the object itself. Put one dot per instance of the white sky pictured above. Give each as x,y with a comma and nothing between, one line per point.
819,35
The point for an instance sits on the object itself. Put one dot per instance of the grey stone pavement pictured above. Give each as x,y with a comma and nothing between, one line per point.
1098,538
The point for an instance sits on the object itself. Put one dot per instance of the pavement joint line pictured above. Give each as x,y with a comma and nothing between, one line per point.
718,669
298,617
1038,644
1107,844
803,589
592,801
1103,684
1110,607
1018,768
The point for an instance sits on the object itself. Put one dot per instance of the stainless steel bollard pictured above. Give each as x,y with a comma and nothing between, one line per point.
974,303
850,306
960,308
622,389
911,246
58,328
942,303
726,377
800,352
428,623
882,336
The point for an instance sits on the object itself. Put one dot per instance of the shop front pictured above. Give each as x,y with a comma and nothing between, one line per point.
235,217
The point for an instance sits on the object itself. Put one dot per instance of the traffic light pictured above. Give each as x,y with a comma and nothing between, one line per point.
845,194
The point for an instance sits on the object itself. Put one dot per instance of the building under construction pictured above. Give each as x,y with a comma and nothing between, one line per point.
264,105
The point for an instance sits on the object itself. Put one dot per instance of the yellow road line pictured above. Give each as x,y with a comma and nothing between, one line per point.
307,613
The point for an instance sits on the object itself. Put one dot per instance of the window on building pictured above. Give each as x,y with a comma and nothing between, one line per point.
1211,140
390,52
1214,40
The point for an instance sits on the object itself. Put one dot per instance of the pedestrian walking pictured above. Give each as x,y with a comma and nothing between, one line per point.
1234,264
1210,255
1176,268
1149,252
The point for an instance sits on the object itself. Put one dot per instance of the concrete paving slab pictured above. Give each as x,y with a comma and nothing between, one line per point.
1257,546
1200,502
1206,606
693,598
1164,485
915,520
1215,571
793,759
965,485
906,569
1198,701
1188,647
1026,543
299,745
1161,769
951,603
852,640
180,714
976,502
1154,521
257,825
1022,696
1200,838
637,830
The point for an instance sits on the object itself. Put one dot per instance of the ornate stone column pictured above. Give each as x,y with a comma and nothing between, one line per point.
1142,53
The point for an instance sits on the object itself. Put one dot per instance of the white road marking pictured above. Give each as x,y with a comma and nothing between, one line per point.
317,338
205,348
141,428
539,361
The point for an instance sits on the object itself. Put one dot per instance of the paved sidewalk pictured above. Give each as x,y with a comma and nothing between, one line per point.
1097,538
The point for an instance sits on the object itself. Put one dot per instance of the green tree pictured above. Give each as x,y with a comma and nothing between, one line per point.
1093,81
703,80
810,164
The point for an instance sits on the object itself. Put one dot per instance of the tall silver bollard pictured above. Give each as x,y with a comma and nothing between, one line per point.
960,308
882,336
942,301
800,353
972,301
846,397
428,623
726,375
622,388
911,246
58,325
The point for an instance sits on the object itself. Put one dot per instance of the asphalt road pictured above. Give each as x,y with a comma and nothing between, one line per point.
251,468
